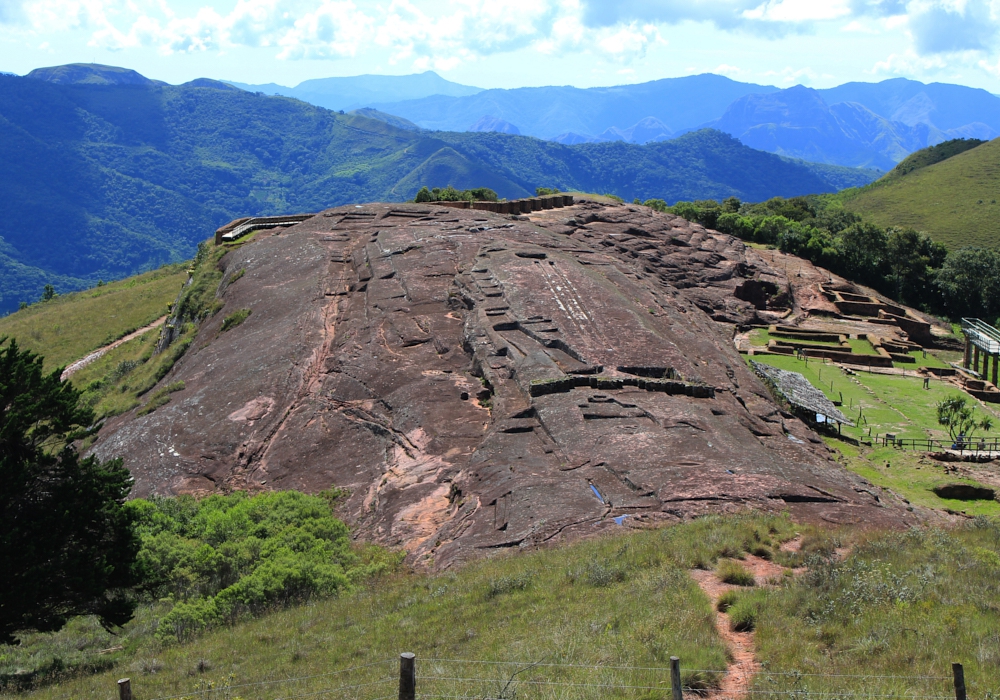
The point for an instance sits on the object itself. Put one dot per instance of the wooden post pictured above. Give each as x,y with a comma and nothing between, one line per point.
995,370
675,678
407,677
959,674
124,689
975,358
968,352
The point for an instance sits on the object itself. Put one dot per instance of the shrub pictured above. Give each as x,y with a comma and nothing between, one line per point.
744,613
450,194
234,319
507,584
726,600
733,572
599,574
224,557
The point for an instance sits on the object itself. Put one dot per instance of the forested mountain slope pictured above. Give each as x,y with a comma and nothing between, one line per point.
100,181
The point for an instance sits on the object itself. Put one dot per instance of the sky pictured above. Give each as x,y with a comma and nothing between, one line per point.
514,43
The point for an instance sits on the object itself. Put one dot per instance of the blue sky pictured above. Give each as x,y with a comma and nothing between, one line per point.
514,43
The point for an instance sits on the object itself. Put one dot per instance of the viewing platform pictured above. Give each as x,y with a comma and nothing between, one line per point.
982,342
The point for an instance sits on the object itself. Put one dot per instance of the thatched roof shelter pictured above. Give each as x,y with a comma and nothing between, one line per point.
799,393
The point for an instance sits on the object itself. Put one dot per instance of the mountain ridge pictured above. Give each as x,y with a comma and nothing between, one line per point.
116,179
860,124
361,91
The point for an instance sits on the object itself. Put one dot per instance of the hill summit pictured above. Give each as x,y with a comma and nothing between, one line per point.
479,381
91,74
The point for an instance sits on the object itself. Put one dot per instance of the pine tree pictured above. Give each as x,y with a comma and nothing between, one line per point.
67,543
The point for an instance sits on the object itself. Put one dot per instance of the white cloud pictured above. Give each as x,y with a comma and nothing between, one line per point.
426,34
444,34
628,43
332,30
791,76
798,10
728,70
909,63
859,27
11,11
948,26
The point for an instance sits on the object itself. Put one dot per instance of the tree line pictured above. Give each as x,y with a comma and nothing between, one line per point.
899,262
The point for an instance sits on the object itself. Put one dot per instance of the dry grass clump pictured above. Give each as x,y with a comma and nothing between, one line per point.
730,571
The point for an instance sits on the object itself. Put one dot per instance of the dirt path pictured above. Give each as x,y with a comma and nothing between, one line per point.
79,364
743,666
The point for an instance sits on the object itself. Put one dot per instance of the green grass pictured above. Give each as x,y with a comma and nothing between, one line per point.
904,604
954,201
115,383
912,475
161,397
929,156
745,610
861,346
616,601
759,337
234,319
730,571
69,326
888,403
898,606
726,600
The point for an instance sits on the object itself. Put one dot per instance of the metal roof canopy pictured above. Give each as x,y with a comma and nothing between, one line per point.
797,390
982,335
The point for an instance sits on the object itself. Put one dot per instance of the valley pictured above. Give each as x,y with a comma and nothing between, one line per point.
670,369
121,177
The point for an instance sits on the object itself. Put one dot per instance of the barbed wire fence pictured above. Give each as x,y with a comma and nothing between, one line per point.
468,679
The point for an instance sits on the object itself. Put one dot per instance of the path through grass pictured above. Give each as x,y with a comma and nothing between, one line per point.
69,326
607,615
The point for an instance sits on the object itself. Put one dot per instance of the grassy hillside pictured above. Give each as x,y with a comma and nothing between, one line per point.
69,326
104,181
954,201
929,156
598,619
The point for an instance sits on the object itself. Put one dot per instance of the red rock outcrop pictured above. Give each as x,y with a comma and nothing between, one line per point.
478,382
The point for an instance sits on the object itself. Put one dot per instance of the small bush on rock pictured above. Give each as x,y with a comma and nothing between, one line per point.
234,319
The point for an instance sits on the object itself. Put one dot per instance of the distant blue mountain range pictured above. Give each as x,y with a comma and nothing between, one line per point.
366,90
871,125
559,113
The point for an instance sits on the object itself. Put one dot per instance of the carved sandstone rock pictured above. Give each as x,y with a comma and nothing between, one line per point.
478,382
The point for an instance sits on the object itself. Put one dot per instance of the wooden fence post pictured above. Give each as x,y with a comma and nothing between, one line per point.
959,674
124,689
407,677
675,678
